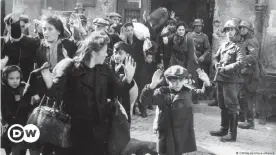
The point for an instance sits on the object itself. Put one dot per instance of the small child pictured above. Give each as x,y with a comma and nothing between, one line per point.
117,64
175,119
15,107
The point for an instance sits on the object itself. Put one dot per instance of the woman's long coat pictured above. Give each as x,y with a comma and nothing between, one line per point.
188,58
85,93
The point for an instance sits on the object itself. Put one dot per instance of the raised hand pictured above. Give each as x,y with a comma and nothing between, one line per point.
4,62
123,33
157,78
172,15
17,11
129,67
165,30
147,45
203,76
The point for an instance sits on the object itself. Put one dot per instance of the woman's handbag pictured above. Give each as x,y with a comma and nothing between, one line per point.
119,135
53,123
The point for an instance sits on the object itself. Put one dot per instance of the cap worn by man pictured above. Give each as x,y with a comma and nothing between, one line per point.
101,22
114,14
176,71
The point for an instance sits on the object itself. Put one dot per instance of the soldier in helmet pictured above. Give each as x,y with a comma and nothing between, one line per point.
202,46
203,49
250,75
175,134
229,60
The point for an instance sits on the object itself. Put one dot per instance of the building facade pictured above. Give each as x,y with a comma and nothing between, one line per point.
260,12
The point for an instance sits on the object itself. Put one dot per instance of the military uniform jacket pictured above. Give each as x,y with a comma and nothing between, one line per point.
231,56
202,44
251,45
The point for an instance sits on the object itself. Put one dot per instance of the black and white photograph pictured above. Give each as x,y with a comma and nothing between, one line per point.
138,77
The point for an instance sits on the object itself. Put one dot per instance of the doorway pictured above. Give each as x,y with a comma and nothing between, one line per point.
188,10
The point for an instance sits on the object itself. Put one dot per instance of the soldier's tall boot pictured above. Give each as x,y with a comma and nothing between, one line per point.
224,125
242,112
232,136
249,111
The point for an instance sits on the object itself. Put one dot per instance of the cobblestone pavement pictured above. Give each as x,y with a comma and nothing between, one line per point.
260,141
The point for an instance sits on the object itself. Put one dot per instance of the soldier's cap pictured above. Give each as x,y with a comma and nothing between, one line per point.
176,71
198,22
101,22
114,14
8,18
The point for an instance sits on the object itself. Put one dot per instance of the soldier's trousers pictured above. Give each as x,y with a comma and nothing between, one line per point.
227,97
247,98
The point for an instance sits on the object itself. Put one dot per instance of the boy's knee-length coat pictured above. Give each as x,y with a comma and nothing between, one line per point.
175,121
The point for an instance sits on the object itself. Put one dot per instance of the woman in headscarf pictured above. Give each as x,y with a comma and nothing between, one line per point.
183,50
52,48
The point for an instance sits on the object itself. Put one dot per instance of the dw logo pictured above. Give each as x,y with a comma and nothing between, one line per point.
29,133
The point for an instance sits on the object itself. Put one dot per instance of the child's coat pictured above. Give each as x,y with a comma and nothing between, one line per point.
175,120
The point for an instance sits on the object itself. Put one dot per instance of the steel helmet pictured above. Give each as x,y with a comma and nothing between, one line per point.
231,24
238,20
198,22
247,25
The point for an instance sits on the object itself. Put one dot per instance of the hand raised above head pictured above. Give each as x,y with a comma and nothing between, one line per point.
157,78
4,62
17,11
172,14
129,67
203,76
165,30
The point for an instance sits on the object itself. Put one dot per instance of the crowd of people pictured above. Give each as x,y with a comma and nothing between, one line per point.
87,68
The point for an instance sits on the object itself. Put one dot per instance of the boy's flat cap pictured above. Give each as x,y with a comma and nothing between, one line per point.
176,71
